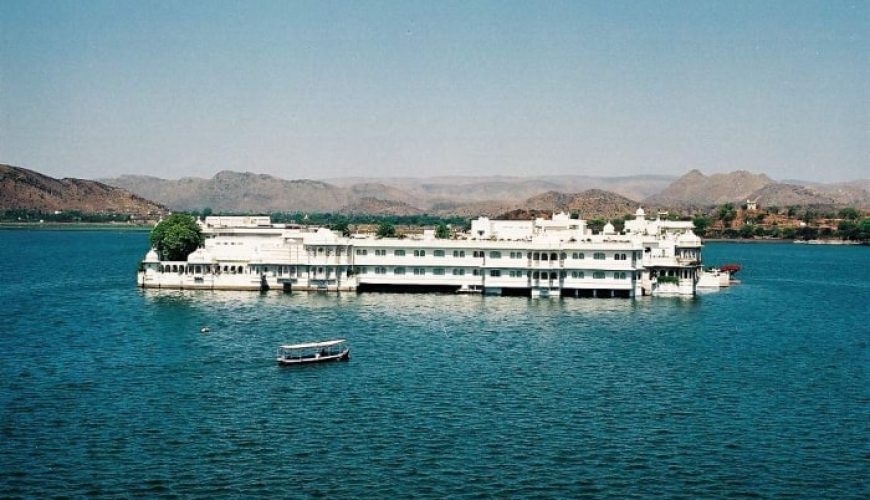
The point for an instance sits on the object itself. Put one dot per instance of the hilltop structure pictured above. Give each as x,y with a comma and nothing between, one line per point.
540,258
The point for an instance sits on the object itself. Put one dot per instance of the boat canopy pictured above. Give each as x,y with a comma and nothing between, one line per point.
314,345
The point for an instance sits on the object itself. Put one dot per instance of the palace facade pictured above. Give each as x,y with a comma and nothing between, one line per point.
539,258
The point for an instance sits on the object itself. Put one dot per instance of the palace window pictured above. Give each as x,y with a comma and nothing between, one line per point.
399,270
620,276
495,273
361,251
439,253
599,275
478,254
419,271
577,274
380,252
495,254
459,253
399,253
380,270
598,256
578,255
458,272
419,253
438,271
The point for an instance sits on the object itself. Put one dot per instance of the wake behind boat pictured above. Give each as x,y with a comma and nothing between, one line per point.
314,352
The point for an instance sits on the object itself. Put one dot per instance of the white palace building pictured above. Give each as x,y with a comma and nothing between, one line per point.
539,258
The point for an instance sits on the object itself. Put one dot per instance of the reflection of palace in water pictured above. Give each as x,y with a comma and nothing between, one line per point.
539,258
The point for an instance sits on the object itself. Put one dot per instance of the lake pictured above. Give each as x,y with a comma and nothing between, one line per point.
761,389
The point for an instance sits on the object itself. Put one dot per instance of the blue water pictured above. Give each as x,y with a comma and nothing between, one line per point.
108,390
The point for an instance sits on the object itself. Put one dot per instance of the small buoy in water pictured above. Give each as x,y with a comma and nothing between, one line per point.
204,329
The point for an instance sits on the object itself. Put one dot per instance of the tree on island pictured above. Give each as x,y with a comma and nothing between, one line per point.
386,230
176,236
442,232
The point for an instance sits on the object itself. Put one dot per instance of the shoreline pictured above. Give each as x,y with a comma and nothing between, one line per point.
797,242
74,226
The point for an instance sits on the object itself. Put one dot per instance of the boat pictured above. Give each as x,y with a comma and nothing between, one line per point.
314,352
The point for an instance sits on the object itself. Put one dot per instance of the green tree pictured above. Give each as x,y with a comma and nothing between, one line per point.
701,224
386,230
596,225
848,230
807,233
176,237
864,230
726,213
849,213
747,231
789,233
442,231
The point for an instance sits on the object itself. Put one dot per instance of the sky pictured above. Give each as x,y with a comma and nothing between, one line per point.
327,89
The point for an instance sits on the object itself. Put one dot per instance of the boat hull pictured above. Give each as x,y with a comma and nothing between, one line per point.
342,356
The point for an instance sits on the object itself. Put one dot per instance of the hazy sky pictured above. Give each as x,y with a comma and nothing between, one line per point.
324,89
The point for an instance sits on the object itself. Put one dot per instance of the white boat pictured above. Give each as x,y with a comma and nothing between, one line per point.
314,352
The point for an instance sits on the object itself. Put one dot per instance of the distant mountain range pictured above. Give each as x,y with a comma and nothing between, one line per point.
245,192
25,189
695,190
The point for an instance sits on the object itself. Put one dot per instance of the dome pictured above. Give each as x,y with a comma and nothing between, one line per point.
152,257
609,229
640,212
200,256
688,239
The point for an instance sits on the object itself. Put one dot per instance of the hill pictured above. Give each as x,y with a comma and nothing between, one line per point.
243,192
783,195
25,189
375,206
590,204
698,190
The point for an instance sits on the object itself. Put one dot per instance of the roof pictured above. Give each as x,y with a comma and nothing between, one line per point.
314,345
